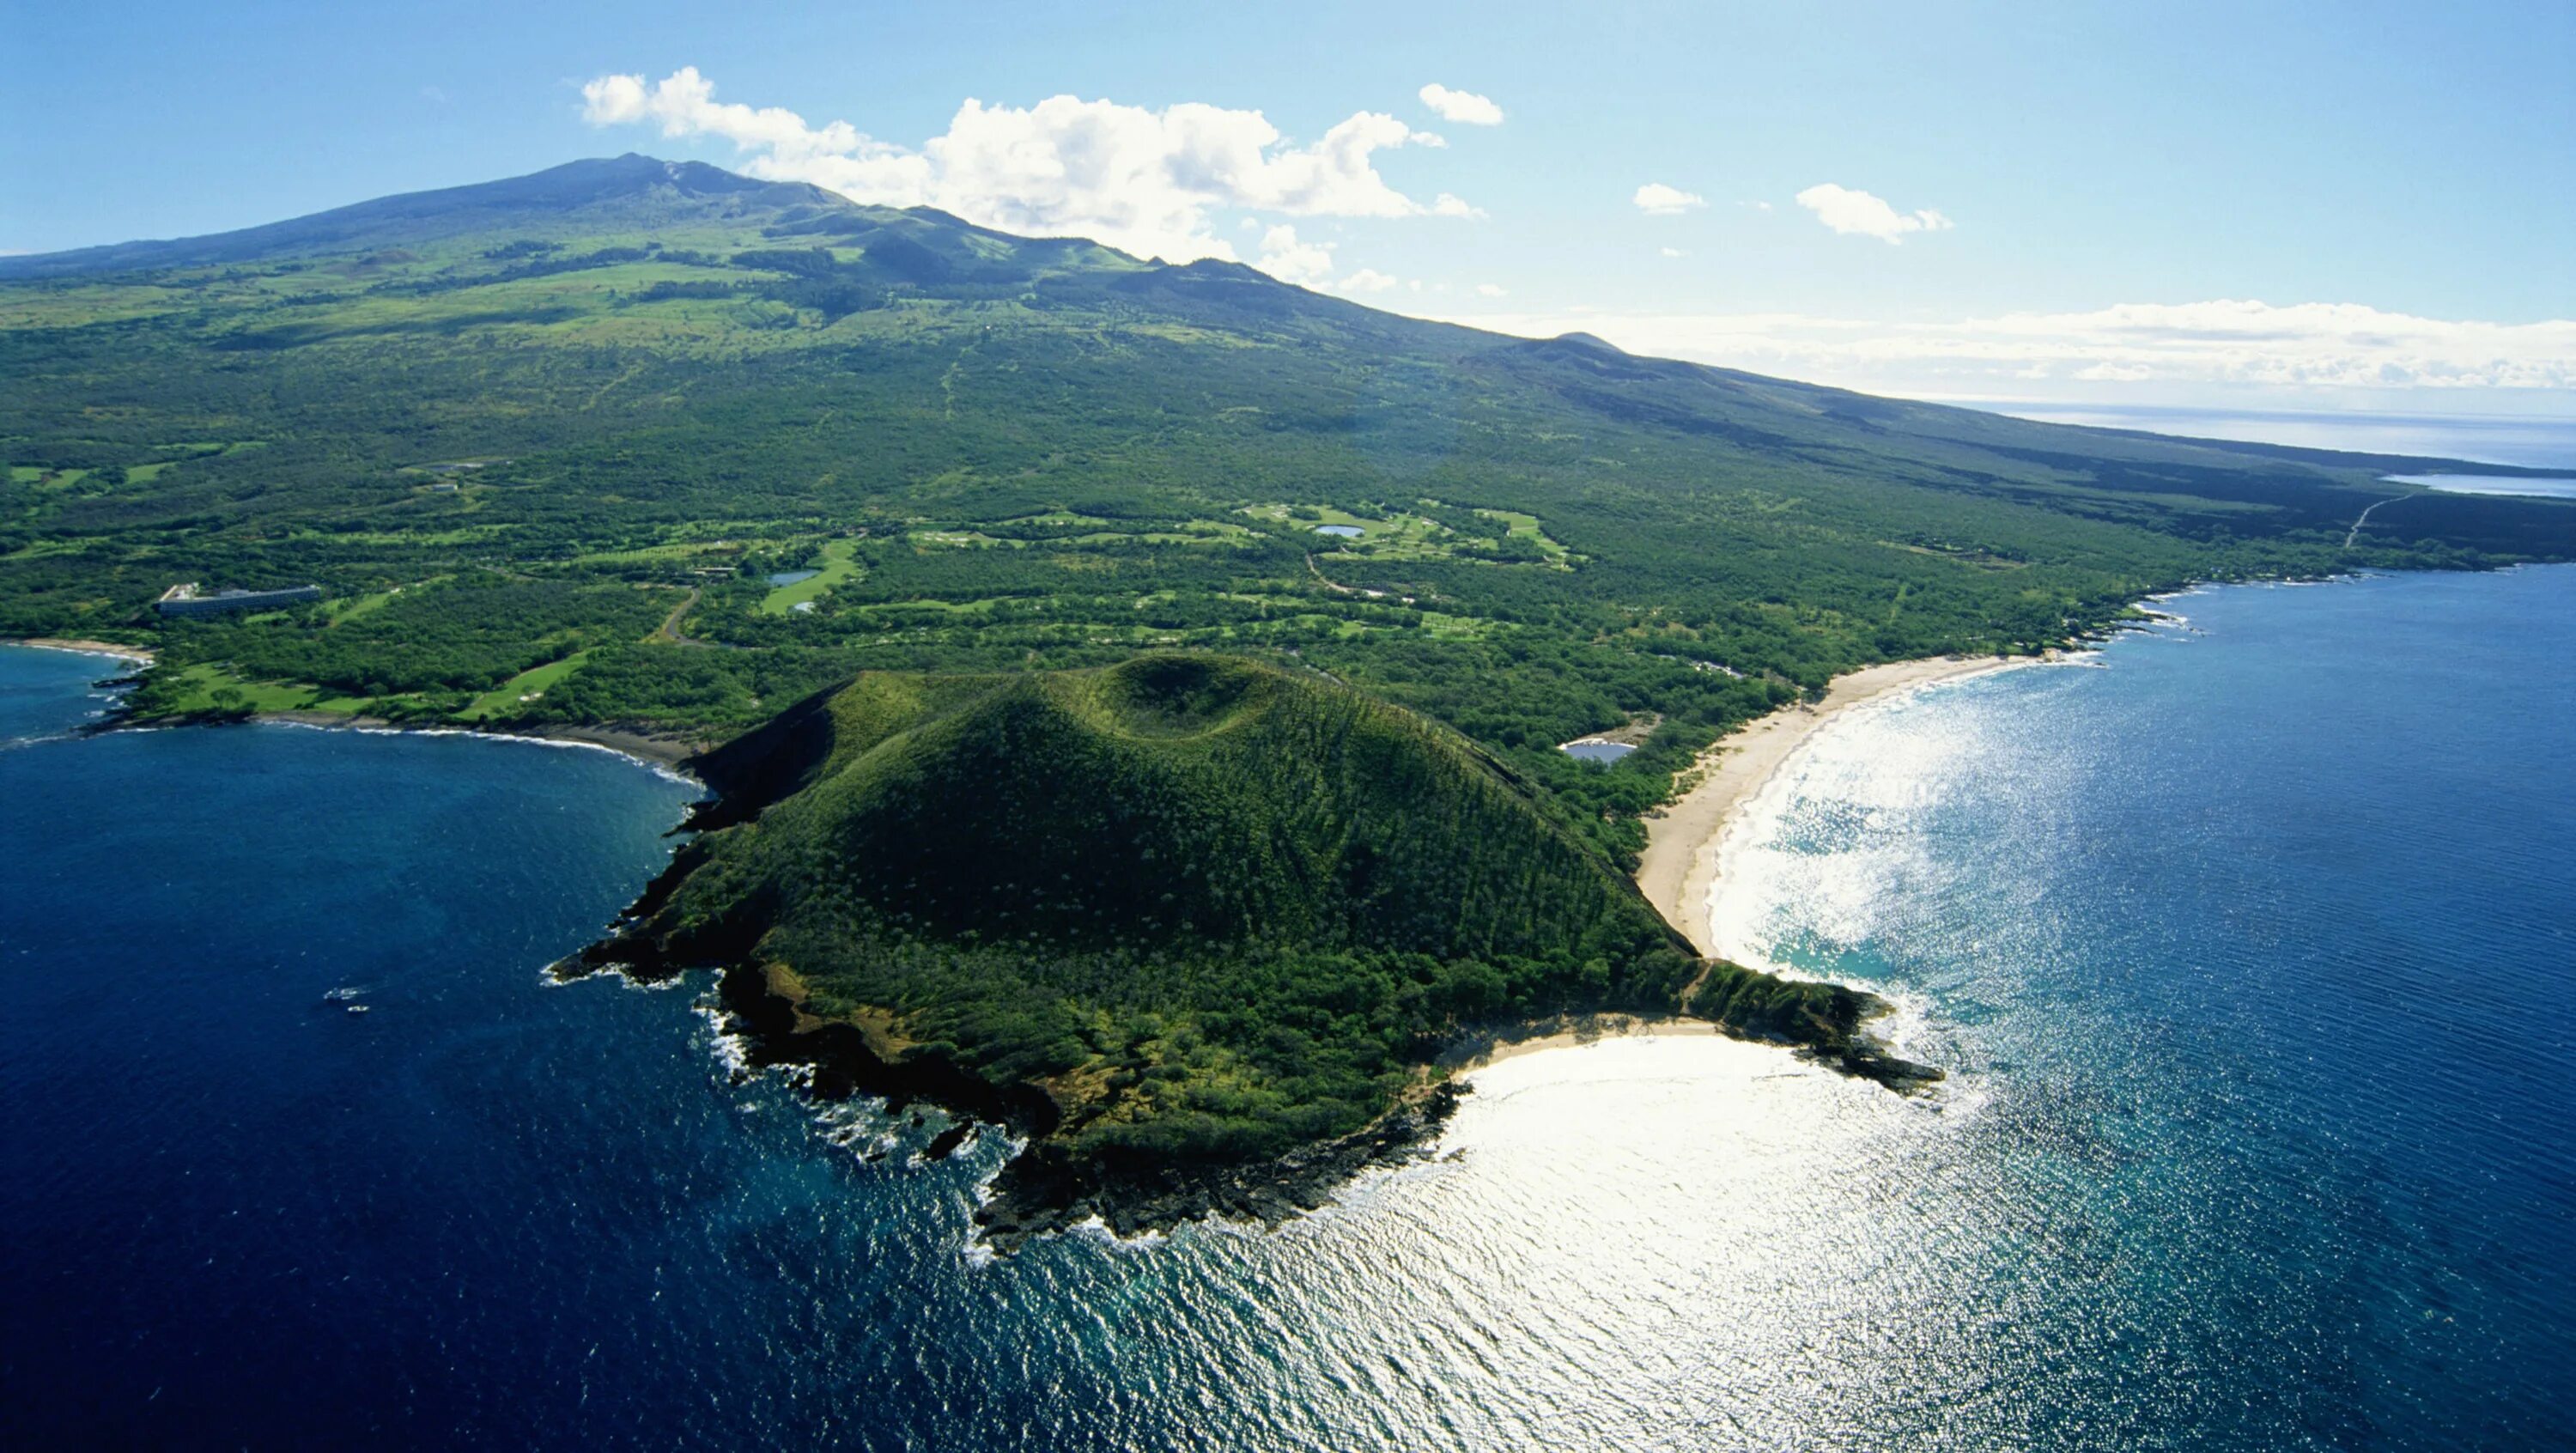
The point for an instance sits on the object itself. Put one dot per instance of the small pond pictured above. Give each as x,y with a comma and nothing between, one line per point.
790,577
1344,532
1597,751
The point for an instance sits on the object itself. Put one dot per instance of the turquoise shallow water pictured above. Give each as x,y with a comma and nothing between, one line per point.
2252,952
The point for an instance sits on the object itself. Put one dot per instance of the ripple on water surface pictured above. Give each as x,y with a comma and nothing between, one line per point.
2228,1160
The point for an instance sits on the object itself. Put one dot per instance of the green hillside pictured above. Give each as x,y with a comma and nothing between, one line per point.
1169,918
542,442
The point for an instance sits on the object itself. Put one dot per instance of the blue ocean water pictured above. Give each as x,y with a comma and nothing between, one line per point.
2537,441
2550,488
2253,952
2254,948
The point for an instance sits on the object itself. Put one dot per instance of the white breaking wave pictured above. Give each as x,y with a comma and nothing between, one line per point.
1819,848
662,770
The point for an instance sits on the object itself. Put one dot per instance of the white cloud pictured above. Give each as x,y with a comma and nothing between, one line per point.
1464,107
1657,200
1672,252
1367,280
1491,290
2133,349
1135,178
1307,264
2098,373
1848,211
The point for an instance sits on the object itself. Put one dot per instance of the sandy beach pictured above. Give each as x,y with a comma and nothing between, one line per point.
1610,1027
1679,866
89,648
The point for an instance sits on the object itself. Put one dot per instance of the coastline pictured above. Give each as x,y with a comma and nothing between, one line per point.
666,751
135,654
1618,1027
1680,864
662,749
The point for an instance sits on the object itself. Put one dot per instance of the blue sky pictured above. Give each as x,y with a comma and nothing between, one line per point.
2098,196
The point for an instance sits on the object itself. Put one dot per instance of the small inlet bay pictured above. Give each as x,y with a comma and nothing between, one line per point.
2247,942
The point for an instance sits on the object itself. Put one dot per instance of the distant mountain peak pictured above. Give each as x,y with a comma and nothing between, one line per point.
1591,341
650,187
1217,267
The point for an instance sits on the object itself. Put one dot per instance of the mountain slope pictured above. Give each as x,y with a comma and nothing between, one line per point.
499,424
576,196
1173,921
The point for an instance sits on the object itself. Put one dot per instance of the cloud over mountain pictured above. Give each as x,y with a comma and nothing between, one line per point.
2307,348
1139,179
1285,257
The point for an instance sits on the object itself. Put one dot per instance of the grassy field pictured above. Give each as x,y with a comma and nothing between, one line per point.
204,689
512,696
832,565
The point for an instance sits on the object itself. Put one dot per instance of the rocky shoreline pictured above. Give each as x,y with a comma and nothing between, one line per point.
671,751
1046,1188
1042,1189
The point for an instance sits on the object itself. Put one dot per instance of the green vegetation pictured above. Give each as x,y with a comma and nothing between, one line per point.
1260,905
442,649
832,566
203,692
507,698
1526,529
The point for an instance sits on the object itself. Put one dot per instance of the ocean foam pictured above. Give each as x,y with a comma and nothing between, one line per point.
1817,855
662,770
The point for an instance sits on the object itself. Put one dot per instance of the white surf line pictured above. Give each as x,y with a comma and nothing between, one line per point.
2355,532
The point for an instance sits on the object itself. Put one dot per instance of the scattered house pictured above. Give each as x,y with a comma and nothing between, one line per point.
190,600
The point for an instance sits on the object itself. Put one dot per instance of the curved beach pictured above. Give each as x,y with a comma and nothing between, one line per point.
135,654
1679,865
